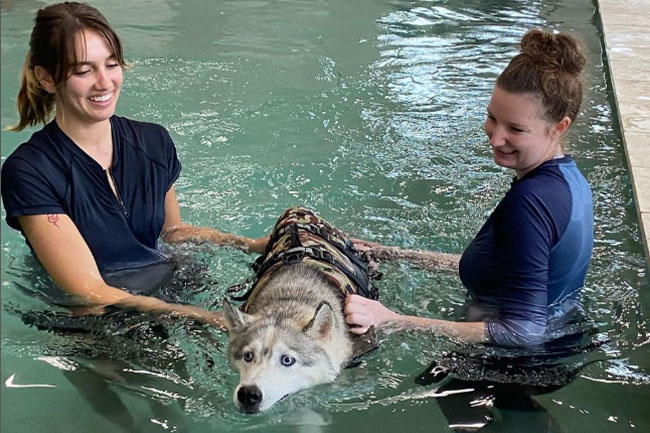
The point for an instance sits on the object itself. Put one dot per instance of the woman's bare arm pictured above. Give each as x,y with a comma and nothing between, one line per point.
66,257
361,313
429,260
174,230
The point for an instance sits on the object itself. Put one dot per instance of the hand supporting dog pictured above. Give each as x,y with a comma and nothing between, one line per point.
362,313
429,260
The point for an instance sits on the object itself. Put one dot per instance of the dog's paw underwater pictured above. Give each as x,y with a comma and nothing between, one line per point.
291,333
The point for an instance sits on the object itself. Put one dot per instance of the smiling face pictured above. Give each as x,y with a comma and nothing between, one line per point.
520,137
90,94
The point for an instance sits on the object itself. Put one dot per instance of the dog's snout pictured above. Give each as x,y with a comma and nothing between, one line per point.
250,397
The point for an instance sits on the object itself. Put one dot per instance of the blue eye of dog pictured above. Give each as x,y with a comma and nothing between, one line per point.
287,360
248,356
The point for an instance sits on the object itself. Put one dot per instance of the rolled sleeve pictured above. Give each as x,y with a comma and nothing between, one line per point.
173,163
26,191
515,333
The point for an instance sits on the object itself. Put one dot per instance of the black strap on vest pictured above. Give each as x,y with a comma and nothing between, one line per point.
359,275
296,254
344,247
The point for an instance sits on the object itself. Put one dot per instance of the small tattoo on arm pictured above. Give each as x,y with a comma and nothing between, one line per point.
52,218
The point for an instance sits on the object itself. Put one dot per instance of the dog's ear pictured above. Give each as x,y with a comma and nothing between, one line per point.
236,321
322,323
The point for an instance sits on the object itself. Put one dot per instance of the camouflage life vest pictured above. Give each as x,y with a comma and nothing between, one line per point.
300,236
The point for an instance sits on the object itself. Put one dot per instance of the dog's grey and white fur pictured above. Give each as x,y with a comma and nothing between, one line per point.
293,337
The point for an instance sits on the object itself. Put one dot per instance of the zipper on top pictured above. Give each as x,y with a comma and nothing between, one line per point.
116,193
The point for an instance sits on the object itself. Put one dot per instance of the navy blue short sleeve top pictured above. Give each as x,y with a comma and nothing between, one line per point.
532,252
50,174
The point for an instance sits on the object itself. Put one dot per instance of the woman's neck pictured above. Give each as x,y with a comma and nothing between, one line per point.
94,139
554,151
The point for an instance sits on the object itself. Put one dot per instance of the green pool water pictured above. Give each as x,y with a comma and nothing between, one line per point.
371,113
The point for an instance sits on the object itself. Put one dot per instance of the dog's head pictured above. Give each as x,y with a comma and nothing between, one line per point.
274,359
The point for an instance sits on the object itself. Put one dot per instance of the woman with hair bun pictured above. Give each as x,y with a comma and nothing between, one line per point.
92,192
527,264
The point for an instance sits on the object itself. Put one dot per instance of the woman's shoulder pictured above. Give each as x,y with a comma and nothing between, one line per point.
546,182
40,148
146,138
34,173
151,138
137,129
544,194
557,179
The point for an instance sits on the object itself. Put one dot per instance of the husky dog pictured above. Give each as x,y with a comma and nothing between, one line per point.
292,333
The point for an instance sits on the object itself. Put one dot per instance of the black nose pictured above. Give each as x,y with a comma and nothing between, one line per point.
250,397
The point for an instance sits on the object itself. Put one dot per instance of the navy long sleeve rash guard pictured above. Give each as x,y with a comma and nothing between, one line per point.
50,174
532,252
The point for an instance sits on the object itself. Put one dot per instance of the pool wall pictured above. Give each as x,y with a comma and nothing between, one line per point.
627,44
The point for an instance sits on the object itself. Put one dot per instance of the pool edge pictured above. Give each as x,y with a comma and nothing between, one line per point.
626,33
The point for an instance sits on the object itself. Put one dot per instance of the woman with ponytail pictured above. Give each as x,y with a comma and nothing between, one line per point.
92,192
527,264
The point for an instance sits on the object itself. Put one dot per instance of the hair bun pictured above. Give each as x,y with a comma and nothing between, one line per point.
559,52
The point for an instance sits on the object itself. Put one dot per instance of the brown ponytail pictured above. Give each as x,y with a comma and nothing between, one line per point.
550,66
52,45
34,103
